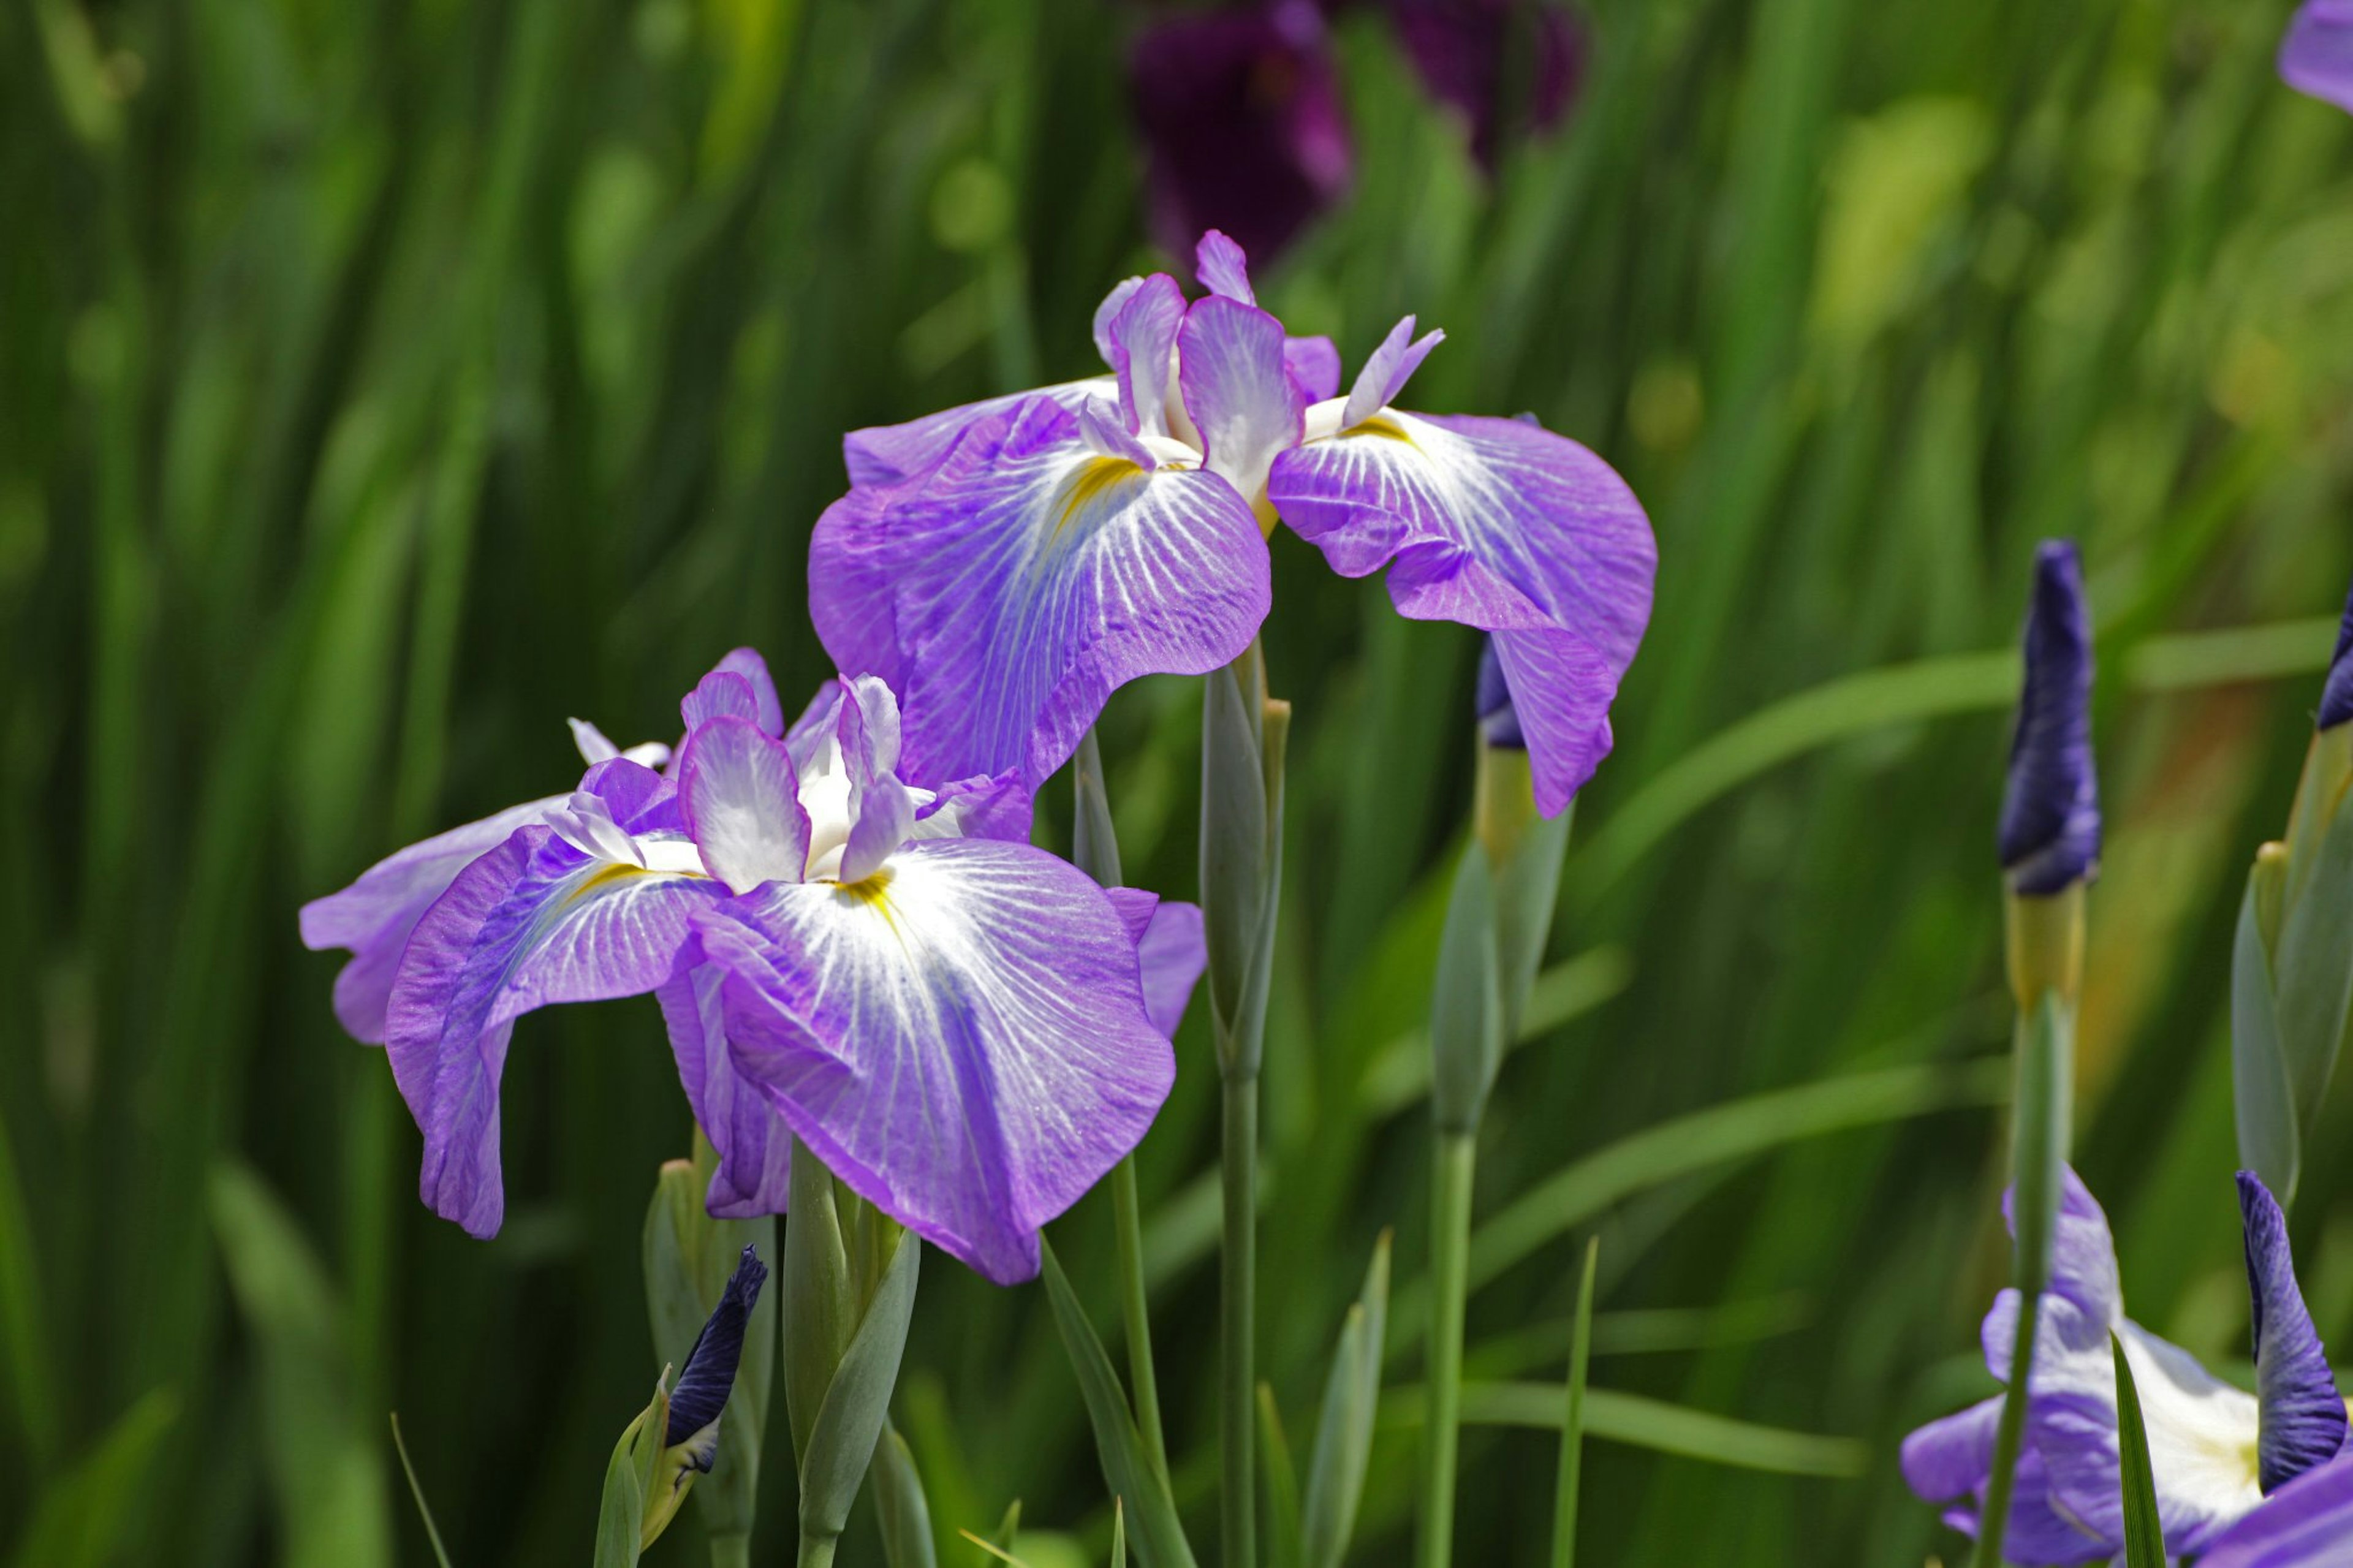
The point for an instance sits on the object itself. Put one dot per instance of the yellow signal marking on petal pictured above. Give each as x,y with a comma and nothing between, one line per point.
614,871
873,893
1380,425
1097,478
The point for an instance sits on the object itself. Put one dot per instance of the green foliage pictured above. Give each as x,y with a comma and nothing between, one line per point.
2144,1532
387,381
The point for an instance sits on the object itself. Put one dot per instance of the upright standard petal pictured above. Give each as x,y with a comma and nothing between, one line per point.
1239,391
961,1039
885,454
2303,1416
1500,525
767,711
1008,594
530,922
2049,833
740,799
374,917
1314,366
2316,57
1143,341
1219,267
2307,1523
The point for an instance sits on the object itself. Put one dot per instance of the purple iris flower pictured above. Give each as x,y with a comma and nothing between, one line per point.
2050,835
1462,50
2316,56
2214,1451
1008,564
1242,123
2307,1523
959,1024
2336,696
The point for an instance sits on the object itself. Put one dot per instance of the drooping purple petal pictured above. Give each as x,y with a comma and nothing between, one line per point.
2316,57
2307,1523
1315,367
1386,371
2050,835
1172,953
1243,125
962,1044
754,1172
373,916
2302,1412
1010,594
530,922
884,455
1143,339
1466,52
1237,390
999,807
739,797
2336,696
1952,1456
1219,265
1503,526
709,1375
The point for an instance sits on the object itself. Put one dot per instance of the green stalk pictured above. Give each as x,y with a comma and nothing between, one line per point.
1127,1214
731,1551
816,1551
1094,850
1993,1518
1237,1293
1572,1422
1452,1161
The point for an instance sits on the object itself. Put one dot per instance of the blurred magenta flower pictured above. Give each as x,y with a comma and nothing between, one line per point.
2316,56
956,1021
2050,834
1464,52
1008,564
2214,1450
1242,123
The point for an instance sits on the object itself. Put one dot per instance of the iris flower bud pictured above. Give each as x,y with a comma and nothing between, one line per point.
691,1433
2050,836
2336,696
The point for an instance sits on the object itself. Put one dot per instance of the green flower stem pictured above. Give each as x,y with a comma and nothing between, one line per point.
1572,1422
1994,1517
816,1551
1237,1314
1451,1163
731,1551
1127,1214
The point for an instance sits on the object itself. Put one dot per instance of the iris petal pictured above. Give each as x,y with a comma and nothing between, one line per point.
2316,56
1142,337
1219,267
1007,596
739,795
1314,366
2302,1415
2307,1523
1240,396
895,454
1500,525
755,1170
1172,954
963,1045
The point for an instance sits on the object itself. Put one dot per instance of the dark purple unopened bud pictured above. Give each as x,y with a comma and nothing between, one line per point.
1499,723
2337,697
1242,125
2050,809
704,1382
1479,55
2301,1416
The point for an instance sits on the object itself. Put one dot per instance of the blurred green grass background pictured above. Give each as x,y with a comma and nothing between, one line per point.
381,383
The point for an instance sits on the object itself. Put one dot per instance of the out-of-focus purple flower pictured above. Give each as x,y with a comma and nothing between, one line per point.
2316,56
1476,55
960,1026
2050,834
1242,122
2213,1450
2307,1523
1008,564
2336,696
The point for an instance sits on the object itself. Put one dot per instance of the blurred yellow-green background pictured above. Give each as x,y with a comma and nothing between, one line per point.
383,382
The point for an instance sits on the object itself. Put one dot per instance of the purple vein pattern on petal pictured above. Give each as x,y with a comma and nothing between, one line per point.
1006,596
1240,396
769,713
2316,57
533,921
2307,1523
750,1136
1219,267
964,1045
373,916
1386,370
1142,337
895,454
1503,526
740,802
2302,1415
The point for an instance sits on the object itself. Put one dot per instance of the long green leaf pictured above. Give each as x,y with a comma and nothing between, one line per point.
1645,1423
83,1517
2271,1143
1281,1479
2144,1534
899,1507
849,1423
1343,1432
1159,1539
417,1495
2313,969
1572,1420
